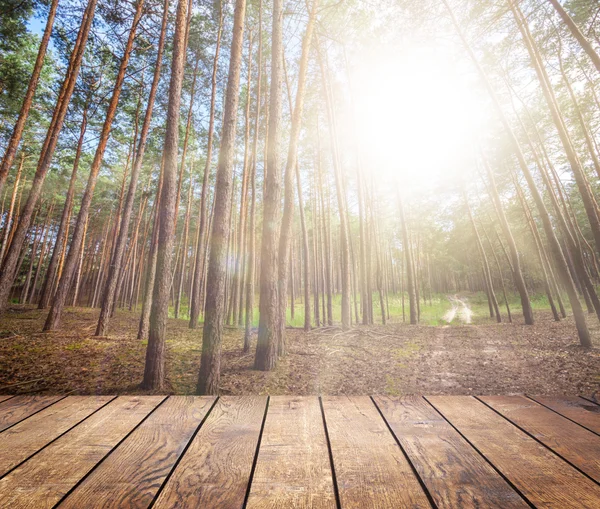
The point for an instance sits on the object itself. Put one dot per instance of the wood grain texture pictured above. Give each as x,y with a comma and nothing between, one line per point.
544,478
133,473
293,468
577,445
4,397
20,407
44,479
215,470
370,468
27,437
577,409
454,473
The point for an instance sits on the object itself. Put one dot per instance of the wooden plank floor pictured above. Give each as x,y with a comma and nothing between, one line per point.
293,451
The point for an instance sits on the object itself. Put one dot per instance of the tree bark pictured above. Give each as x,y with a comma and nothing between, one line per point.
15,139
9,265
252,224
115,267
574,29
561,264
154,370
200,246
64,285
266,348
290,167
210,363
517,273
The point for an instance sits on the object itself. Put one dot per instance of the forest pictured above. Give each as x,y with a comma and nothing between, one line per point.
335,196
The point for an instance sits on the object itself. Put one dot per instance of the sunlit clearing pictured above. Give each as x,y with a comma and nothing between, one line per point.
416,113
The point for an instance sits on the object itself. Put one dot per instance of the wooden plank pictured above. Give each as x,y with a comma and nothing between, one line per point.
454,473
370,468
541,476
4,397
20,407
133,473
577,409
293,468
575,444
44,479
215,470
27,437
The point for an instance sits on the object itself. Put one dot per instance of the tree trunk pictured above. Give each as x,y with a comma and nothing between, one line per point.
15,139
561,264
412,299
290,166
9,265
111,283
154,370
8,224
200,249
585,44
210,364
252,224
266,348
66,280
49,280
517,273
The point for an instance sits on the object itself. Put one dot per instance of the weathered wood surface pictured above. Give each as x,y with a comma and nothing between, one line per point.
132,475
20,407
453,472
29,436
293,467
545,479
49,475
579,410
370,467
298,452
578,446
215,470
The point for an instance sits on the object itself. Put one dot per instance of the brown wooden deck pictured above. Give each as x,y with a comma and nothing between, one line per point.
289,451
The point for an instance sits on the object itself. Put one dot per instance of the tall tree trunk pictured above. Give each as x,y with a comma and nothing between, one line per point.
115,267
200,246
66,280
252,224
485,266
290,166
154,369
517,273
561,264
9,224
210,364
49,280
9,264
238,274
266,348
15,139
345,254
410,277
589,203
574,29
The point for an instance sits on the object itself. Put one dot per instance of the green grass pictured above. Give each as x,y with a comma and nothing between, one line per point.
432,310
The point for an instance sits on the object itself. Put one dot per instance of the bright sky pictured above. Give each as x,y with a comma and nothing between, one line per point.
416,113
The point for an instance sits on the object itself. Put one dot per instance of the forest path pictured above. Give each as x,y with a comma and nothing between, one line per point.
459,307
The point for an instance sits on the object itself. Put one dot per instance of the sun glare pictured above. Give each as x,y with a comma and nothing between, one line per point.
416,114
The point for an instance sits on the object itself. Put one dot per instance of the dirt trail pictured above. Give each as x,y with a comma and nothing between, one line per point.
459,307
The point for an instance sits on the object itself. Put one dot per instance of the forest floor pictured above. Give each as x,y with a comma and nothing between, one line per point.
395,359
